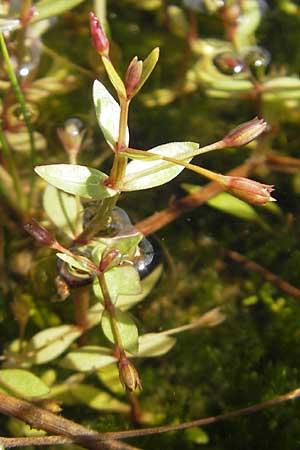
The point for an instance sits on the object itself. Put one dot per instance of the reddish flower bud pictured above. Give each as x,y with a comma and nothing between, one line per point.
100,40
245,132
40,233
128,374
133,76
249,190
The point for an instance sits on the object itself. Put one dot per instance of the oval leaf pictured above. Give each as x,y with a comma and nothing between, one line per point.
50,343
108,114
154,344
49,8
121,280
62,210
127,329
77,180
146,174
88,358
96,399
23,383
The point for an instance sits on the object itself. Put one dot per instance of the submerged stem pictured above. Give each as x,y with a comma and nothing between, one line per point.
22,103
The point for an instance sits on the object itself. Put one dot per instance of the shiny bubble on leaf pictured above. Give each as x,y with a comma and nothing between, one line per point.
257,60
149,257
72,276
31,58
73,126
228,63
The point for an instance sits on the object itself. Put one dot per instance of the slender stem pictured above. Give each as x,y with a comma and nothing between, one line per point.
207,420
120,161
99,221
25,113
12,168
110,308
81,300
198,169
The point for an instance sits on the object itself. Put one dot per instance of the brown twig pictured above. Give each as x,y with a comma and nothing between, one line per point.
52,423
264,273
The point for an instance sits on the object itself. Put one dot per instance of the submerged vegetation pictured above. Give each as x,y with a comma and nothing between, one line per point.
148,274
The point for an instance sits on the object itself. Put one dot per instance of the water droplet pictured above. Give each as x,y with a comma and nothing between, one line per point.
73,126
228,63
257,60
31,58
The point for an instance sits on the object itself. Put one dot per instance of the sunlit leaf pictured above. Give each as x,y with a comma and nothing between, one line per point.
23,383
109,376
121,280
125,242
146,174
49,8
96,399
114,77
50,343
154,344
77,180
62,210
148,67
125,302
108,114
81,265
127,329
89,358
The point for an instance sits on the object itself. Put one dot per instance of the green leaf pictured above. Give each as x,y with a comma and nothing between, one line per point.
127,329
125,302
229,204
126,243
96,399
107,113
51,342
196,435
146,174
114,77
88,358
109,376
120,280
148,67
49,8
154,344
77,180
74,262
61,209
23,383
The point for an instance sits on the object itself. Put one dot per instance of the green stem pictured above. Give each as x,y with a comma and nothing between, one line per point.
8,157
110,308
100,220
25,113
198,169
120,161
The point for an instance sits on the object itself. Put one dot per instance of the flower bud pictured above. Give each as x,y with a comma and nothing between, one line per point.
249,190
128,374
71,137
133,76
245,132
40,233
100,40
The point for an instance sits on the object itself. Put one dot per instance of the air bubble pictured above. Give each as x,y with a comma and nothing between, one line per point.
257,60
228,63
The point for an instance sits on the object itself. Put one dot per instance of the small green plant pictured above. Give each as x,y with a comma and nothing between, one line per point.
102,262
